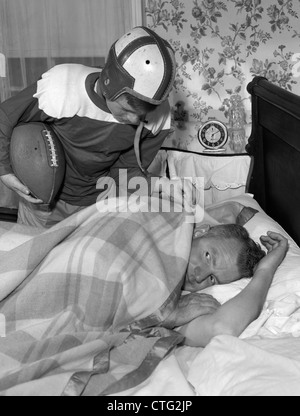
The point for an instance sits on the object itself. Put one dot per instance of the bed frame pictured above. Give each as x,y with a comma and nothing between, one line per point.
275,146
8,214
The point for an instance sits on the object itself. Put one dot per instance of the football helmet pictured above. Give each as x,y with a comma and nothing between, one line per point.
140,63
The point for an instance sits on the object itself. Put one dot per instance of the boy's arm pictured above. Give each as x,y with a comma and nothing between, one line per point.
233,317
21,108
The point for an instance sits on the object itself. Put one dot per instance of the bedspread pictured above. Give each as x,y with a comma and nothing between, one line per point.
83,304
84,301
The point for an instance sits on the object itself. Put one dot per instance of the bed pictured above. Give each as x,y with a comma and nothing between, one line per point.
76,315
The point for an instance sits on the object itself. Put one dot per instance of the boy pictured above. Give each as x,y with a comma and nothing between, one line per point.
107,120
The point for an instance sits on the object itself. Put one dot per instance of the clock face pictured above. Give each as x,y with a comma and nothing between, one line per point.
213,135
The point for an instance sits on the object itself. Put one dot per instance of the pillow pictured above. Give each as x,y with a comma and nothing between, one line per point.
224,177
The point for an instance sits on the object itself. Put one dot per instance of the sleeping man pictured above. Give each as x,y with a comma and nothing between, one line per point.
221,255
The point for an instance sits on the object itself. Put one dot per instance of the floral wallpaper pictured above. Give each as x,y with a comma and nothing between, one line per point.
220,46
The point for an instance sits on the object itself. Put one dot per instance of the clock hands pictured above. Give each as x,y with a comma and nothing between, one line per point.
213,134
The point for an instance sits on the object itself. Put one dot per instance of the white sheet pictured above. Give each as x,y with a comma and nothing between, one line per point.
167,380
232,367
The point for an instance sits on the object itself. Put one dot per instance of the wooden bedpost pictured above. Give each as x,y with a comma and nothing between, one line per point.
255,148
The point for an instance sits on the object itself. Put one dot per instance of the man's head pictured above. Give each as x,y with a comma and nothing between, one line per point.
221,255
141,64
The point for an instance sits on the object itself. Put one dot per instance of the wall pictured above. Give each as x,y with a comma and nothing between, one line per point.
220,46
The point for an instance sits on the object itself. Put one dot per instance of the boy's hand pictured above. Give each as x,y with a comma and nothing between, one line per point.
13,183
178,190
277,246
190,307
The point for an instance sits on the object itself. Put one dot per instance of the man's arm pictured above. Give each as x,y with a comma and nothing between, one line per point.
233,317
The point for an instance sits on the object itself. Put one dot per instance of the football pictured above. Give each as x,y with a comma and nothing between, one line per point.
38,160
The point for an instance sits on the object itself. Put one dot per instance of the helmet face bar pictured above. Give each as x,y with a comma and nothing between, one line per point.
142,64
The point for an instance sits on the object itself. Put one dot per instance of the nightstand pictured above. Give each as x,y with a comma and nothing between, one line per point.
225,175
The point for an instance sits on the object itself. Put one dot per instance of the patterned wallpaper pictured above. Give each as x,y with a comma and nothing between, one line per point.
220,46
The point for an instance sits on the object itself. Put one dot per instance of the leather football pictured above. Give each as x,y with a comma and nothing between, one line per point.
38,160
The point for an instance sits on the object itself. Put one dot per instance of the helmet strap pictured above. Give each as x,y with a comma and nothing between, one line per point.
137,140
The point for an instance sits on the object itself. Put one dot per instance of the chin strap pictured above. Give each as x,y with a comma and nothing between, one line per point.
137,140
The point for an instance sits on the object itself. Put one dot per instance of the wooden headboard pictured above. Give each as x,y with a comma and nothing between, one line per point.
275,146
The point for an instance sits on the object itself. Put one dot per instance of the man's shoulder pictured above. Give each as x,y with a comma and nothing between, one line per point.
69,70
66,77
61,90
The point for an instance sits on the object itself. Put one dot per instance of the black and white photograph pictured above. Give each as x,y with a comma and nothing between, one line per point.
149,201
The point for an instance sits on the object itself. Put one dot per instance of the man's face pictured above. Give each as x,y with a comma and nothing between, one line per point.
213,261
123,112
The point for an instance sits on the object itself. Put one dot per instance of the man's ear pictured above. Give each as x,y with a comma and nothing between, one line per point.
201,230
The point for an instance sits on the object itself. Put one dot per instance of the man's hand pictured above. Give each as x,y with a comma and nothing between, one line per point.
190,307
13,183
277,247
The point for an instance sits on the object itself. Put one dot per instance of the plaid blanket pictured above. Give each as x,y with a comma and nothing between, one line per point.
82,304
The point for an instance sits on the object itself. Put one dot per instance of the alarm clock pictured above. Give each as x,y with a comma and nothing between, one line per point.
213,135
